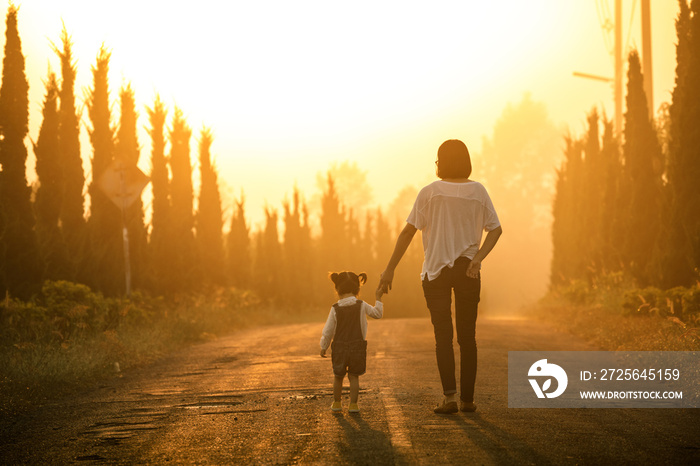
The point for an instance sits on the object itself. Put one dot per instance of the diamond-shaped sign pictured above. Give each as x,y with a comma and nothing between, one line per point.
122,182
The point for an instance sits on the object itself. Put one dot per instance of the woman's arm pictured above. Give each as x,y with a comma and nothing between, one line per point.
490,241
402,243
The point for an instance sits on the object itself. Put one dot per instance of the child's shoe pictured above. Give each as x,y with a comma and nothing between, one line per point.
353,408
336,406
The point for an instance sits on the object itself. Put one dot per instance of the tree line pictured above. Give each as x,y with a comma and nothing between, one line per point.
66,228
632,204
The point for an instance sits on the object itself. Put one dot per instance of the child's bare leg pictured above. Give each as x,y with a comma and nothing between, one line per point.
354,387
337,388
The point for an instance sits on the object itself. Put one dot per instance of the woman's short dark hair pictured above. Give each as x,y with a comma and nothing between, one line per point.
453,160
348,282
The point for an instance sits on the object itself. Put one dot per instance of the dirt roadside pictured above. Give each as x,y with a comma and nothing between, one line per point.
262,397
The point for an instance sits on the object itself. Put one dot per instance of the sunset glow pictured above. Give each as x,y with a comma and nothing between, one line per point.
291,90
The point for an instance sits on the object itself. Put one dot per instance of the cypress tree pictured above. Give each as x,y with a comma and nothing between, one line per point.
567,262
268,253
127,148
683,256
369,242
610,231
592,194
73,223
160,249
383,238
22,260
290,247
238,247
50,192
209,216
298,259
641,152
333,233
181,195
105,223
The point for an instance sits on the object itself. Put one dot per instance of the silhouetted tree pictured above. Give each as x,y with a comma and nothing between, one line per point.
209,217
683,255
268,253
592,194
350,183
21,259
238,247
610,236
105,222
185,271
516,167
333,234
353,246
73,223
49,194
160,247
567,263
297,253
641,154
384,239
127,148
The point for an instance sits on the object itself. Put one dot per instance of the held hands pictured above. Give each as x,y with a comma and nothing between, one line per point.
378,293
385,282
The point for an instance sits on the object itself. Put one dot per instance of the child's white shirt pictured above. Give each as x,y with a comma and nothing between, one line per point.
375,312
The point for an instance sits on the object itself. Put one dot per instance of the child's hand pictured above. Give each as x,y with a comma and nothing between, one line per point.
378,293
323,353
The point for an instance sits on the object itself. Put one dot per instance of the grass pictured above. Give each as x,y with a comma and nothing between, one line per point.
602,317
70,338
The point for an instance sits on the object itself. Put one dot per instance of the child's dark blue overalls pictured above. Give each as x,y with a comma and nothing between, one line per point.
349,348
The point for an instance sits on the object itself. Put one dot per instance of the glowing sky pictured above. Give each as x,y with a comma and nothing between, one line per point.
290,87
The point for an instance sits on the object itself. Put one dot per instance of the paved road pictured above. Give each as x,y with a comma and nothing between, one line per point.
263,396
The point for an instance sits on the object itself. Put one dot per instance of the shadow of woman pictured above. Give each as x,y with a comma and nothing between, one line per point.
497,444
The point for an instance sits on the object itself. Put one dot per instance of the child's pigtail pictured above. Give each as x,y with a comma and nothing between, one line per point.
363,278
334,278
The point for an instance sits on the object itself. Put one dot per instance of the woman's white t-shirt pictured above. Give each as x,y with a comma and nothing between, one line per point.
452,218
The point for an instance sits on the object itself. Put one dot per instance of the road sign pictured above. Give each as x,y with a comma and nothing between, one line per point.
122,182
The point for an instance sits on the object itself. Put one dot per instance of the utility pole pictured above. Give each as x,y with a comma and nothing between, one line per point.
646,56
618,68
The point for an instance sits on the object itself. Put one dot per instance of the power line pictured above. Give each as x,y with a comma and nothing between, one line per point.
606,24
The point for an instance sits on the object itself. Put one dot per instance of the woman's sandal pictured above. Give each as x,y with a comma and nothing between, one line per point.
446,407
466,407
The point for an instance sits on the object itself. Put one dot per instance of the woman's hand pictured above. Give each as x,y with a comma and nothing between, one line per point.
474,268
385,281
323,353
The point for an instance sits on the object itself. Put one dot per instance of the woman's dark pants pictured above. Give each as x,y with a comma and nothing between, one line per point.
438,296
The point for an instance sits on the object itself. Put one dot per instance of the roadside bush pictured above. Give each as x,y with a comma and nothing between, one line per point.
577,292
682,305
69,335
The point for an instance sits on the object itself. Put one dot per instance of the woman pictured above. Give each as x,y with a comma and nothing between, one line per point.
451,213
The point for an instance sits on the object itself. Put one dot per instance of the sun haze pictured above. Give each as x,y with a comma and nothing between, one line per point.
291,87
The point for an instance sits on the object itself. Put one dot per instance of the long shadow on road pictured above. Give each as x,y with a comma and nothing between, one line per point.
360,443
495,443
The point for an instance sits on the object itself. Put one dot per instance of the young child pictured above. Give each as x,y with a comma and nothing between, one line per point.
347,328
